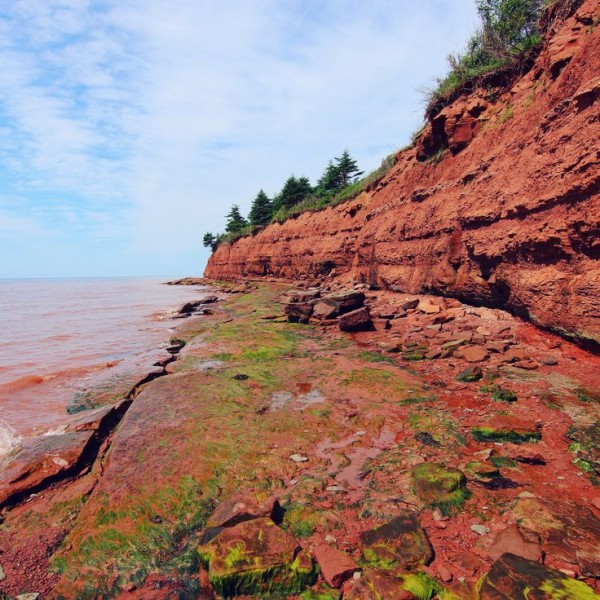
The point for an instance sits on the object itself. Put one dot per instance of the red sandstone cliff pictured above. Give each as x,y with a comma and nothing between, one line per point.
510,216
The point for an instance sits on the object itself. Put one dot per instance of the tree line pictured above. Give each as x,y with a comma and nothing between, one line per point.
340,172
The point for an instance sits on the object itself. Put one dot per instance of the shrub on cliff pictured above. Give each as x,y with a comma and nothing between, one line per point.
509,30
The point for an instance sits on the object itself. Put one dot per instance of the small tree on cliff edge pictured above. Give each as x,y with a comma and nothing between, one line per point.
261,210
209,241
235,221
347,168
293,192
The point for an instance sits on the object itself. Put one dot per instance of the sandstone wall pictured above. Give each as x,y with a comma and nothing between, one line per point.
509,217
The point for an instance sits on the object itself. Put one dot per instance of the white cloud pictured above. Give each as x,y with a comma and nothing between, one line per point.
156,115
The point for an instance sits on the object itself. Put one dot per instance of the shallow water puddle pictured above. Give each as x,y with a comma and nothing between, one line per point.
307,397
209,364
351,476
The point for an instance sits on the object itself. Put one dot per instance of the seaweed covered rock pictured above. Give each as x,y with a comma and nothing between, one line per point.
380,585
585,447
470,374
508,429
514,577
256,557
400,543
440,486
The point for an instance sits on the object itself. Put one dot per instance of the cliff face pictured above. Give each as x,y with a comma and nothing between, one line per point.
509,217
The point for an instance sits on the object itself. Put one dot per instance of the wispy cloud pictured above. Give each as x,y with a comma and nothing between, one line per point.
152,117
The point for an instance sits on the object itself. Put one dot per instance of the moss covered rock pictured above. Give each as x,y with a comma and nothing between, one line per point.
256,557
481,470
399,544
470,374
440,486
383,586
514,577
506,434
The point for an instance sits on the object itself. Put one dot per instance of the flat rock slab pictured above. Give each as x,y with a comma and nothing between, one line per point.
39,460
323,310
514,577
567,531
336,566
356,320
471,353
345,301
114,384
511,540
93,420
255,558
240,508
400,544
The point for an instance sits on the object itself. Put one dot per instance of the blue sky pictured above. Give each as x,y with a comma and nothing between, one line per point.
129,127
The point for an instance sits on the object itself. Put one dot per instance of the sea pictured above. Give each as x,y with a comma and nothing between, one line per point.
56,335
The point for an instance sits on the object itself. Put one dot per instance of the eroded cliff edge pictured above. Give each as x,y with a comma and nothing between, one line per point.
506,213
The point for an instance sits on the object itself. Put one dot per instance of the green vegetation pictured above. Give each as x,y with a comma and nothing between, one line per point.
490,434
508,33
340,182
261,210
499,394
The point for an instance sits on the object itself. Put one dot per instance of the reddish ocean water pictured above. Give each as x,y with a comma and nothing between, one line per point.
56,334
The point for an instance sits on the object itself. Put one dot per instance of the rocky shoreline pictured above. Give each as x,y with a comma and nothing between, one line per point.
322,443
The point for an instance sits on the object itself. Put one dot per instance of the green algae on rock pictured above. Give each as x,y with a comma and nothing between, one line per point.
584,445
400,543
514,577
440,486
499,394
482,470
503,434
383,586
470,374
256,557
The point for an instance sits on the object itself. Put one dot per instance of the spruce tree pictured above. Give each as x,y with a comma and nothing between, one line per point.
347,169
330,180
209,241
261,210
235,221
294,191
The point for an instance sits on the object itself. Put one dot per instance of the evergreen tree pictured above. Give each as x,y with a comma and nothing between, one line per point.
330,180
294,191
209,241
235,221
347,168
261,210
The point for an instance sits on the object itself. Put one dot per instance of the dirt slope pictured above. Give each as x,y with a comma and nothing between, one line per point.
509,217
